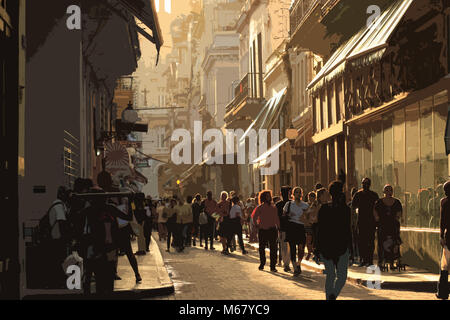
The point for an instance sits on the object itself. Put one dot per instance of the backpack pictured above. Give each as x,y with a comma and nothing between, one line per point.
45,229
203,218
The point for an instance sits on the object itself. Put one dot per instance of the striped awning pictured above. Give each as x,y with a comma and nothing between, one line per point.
365,47
269,113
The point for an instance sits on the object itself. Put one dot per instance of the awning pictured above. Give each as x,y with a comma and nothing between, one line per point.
268,114
145,11
266,154
365,47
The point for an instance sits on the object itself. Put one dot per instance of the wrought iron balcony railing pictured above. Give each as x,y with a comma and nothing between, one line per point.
300,10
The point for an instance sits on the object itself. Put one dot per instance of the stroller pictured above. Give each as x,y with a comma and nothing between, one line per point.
389,242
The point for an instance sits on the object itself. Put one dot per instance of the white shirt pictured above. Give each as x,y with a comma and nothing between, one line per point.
148,212
235,211
160,211
57,213
295,211
122,223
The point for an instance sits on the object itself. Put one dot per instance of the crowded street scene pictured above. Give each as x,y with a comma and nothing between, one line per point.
218,150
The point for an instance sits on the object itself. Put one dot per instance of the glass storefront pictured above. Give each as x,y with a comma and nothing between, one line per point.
406,149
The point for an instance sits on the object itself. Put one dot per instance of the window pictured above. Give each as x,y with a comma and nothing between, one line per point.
412,164
377,157
426,162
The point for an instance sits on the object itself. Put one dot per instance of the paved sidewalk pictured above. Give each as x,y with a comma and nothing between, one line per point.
412,279
155,280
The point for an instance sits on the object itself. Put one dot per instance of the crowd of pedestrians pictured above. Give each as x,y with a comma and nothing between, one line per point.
323,225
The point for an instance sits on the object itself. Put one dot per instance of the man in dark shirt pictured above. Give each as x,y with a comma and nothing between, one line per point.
445,243
283,245
196,209
364,200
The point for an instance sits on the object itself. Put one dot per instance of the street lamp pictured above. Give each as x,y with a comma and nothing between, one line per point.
292,135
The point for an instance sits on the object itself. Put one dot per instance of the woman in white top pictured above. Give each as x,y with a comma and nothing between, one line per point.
295,229
162,221
236,219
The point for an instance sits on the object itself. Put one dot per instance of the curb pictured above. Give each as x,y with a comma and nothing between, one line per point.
415,286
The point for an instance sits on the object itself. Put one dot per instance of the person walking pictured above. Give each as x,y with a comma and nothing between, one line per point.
308,224
354,250
364,201
124,238
188,220
322,197
196,209
295,229
253,228
236,220
224,229
140,215
148,222
284,248
162,220
443,290
60,237
170,214
265,217
103,242
180,210
210,207
334,240
388,212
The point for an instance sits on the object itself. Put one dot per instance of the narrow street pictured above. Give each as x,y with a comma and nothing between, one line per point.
207,275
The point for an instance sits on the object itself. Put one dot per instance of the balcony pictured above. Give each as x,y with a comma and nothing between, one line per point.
300,10
247,101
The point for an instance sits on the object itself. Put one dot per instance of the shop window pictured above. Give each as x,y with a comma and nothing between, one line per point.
388,156
358,146
367,151
426,208
377,157
440,158
413,192
398,129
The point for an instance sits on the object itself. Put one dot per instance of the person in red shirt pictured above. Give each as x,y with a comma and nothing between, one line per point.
265,216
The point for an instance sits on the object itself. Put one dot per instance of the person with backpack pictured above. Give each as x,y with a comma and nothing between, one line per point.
295,211
103,241
54,238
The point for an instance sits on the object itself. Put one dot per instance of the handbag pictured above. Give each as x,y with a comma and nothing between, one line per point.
203,218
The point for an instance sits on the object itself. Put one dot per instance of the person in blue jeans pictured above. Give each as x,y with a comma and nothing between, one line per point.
334,239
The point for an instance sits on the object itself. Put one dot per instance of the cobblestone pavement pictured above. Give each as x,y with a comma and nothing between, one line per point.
208,275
